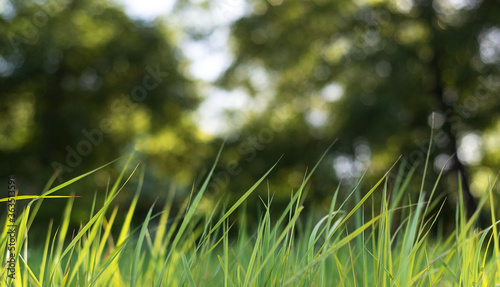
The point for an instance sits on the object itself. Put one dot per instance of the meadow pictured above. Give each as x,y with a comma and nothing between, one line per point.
394,244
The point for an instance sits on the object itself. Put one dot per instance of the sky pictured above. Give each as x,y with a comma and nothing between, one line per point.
147,9
208,58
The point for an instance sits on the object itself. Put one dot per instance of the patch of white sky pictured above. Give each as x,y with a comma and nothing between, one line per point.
209,56
470,149
147,9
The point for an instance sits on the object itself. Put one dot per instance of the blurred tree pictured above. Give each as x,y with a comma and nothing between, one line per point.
81,84
370,73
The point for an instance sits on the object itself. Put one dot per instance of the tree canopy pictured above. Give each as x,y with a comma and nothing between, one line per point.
83,84
371,73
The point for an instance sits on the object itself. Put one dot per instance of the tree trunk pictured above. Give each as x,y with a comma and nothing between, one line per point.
458,166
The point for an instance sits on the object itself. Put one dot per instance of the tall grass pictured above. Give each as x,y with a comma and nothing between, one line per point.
391,246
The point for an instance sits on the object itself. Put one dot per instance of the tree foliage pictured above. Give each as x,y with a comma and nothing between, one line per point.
83,84
371,73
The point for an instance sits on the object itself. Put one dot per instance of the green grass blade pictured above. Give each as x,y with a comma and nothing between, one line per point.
138,249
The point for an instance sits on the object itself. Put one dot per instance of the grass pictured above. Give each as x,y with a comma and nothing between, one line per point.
391,246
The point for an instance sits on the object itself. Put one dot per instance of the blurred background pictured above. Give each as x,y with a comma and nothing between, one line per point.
83,82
